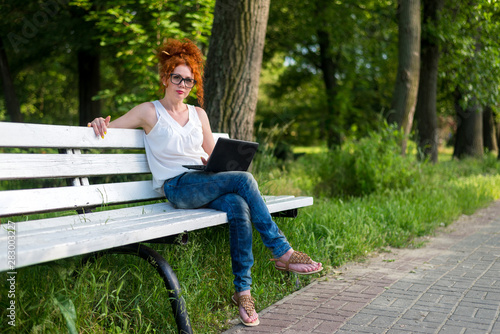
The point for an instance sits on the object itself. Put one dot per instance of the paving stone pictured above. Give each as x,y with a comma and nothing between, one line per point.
328,326
362,319
451,285
351,328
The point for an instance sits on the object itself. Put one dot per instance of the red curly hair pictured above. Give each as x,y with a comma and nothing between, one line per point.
174,53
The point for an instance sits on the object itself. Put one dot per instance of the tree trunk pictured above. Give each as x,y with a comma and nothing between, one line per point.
497,125
489,130
88,86
425,112
233,65
469,136
328,65
407,79
11,101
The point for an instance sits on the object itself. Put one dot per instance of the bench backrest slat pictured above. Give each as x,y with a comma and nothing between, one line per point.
31,166
60,136
76,165
26,135
15,202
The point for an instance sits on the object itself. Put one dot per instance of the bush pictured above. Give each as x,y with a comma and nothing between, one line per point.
122,294
361,167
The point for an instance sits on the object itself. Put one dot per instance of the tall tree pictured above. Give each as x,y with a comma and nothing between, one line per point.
469,136
337,67
470,71
407,78
425,112
233,65
329,58
11,101
489,130
87,49
498,137
89,78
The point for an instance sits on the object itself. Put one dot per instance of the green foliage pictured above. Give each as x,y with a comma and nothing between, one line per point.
366,165
367,195
69,313
123,294
362,47
129,33
42,54
290,101
470,62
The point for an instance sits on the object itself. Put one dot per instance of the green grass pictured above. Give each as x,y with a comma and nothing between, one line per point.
309,149
122,294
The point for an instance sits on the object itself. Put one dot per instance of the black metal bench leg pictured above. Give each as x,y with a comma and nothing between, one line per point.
168,276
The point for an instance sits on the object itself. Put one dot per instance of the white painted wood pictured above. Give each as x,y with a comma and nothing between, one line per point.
165,209
60,136
14,202
104,237
39,241
284,203
50,239
30,166
219,135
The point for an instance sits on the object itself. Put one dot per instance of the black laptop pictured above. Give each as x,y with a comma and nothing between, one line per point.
229,155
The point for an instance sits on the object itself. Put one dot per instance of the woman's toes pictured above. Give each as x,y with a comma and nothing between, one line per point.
247,318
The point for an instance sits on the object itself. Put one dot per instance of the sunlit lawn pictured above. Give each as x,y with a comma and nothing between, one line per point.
120,294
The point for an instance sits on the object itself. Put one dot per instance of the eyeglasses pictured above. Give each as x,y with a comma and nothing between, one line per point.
176,79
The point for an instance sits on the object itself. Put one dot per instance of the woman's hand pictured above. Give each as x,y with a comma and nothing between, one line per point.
100,125
204,161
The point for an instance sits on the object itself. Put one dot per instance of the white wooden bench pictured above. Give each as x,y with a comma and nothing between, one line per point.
32,152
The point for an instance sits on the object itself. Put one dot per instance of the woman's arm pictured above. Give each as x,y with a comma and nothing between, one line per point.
141,116
208,138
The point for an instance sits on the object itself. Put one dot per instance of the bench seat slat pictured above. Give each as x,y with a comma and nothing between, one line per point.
95,218
13,202
50,239
65,241
284,203
113,221
31,166
139,227
149,211
100,239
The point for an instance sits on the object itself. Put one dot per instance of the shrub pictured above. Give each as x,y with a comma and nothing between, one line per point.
361,167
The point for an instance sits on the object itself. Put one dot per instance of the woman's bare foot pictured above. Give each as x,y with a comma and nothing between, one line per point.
246,308
300,268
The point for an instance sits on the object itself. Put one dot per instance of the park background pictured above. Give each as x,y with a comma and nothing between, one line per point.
385,111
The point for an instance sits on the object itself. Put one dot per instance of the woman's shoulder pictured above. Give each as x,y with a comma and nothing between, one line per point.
145,106
145,115
203,117
202,114
144,110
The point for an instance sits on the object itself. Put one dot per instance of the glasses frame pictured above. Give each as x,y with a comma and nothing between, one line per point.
182,79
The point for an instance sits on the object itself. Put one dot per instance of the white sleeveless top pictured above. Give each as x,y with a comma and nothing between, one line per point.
170,145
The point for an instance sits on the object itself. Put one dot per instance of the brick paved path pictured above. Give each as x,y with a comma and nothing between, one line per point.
452,285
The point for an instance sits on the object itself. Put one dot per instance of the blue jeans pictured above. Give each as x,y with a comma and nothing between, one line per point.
237,194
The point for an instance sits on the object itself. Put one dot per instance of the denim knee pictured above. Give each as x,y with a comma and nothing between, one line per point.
238,207
247,179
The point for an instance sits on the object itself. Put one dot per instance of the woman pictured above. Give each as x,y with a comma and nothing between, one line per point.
177,134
